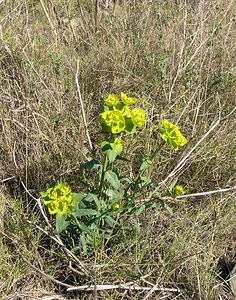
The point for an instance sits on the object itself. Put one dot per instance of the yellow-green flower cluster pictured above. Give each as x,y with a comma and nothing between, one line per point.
118,141
138,116
119,116
171,134
180,190
117,206
111,100
58,199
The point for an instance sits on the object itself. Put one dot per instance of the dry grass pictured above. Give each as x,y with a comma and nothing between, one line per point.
178,57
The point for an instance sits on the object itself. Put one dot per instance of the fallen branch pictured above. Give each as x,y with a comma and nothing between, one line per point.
103,287
207,193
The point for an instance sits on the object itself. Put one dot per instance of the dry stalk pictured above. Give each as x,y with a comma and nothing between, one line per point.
56,238
208,193
82,106
103,287
49,20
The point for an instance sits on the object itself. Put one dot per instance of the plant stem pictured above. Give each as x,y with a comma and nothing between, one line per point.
104,167
142,171
157,150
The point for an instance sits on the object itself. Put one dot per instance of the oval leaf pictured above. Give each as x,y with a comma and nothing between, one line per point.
61,223
113,179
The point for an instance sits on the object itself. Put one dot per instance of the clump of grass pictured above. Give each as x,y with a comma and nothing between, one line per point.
179,58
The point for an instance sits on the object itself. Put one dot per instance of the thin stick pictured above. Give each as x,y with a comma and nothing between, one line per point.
82,105
103,287
49,20
207,193
96,15
232,112
7,179
60,243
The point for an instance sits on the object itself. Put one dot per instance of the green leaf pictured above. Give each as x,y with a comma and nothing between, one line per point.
83,243
106,108
146,180
136,224
166,206
93,198
110,221
61,223
85,212
111,150
114,195
112,178
146,163
43,194
122,158
140,210
77,197
106,146
127,179
77,200
158,194
129,125
92,164
84,228
172,185
111,155
150,204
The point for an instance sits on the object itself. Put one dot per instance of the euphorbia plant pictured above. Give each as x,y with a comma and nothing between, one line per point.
110,205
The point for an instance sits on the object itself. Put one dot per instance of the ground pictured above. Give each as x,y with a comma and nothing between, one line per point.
178,59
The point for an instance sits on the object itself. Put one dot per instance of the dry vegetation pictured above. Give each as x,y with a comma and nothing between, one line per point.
178,57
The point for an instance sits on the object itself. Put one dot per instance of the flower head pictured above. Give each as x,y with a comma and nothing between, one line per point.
116,206
58,199
171,134
138,116
180,190
127,100
118,141
124,109
114,121
111,100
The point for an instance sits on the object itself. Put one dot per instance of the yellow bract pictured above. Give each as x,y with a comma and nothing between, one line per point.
180,190
138,116
116,206
120,117
171,134
114,120
127,100
111,100
124,109
58,199
118,141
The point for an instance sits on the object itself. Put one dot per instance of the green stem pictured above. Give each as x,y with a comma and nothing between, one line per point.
157,150
142,171
104,167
